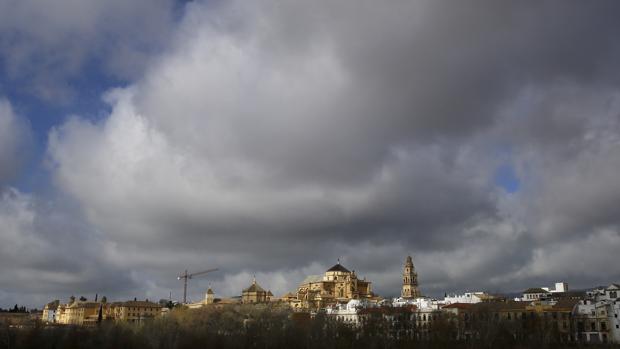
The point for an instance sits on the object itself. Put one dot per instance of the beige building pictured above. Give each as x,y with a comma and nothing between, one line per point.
61,314
133,311
410,281
81,313
337,285
85,313
207,300
255,294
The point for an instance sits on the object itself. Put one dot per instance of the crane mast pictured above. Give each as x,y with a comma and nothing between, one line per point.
186,276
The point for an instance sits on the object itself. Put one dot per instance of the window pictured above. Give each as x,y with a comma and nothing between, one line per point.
603,326
593,326
613,294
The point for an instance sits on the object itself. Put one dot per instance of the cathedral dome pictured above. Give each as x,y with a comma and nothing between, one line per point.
339,267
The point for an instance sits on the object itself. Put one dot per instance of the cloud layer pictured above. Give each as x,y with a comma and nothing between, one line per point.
48,46
272,139
15,141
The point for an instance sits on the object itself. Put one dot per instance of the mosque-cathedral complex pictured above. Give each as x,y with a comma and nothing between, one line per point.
338,285
335,288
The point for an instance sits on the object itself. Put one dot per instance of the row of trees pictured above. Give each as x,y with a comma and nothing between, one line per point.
247,326
15,309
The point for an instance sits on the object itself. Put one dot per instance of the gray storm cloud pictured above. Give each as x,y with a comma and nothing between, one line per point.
47,45
275,138
47,251
15,141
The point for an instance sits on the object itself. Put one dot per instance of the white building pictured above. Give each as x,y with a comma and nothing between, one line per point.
559,287
597,319
534,294
421,303
537,293
426,311
467,297
49,312
349,313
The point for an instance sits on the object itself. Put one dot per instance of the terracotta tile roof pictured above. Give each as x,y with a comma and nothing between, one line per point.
566,303
139,304
535,290
84,304
501,306
458,306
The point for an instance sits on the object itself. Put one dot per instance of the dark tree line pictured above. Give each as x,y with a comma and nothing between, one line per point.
262,326
15,309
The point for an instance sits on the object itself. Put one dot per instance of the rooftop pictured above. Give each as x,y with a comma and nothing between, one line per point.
339,267
535,290
458,306
139,304
254,288
312,278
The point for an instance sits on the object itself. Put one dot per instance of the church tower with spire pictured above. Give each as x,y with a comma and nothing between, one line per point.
209,296
410,280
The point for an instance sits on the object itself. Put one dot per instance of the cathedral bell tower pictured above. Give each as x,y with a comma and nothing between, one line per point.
410,280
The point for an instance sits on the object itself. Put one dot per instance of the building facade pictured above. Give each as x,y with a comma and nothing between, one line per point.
81,313
337,285
88,313
597,318
49,312
133,311
469,298
349,313
534,294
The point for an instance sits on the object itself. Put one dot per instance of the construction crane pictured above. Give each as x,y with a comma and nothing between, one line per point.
186,276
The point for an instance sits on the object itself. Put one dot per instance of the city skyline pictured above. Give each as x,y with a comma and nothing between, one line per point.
196,298
141,139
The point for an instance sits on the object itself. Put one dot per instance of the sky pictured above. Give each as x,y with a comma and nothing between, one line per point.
270,139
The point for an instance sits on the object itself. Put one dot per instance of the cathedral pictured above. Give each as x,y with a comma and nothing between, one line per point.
410,281
255,294
337,285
